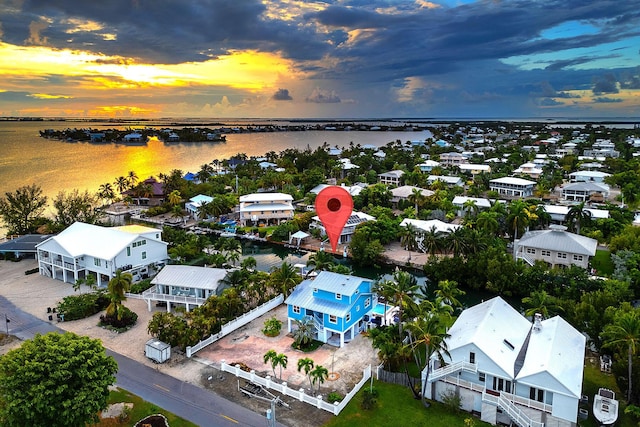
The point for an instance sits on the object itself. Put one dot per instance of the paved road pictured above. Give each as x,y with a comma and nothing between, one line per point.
183,399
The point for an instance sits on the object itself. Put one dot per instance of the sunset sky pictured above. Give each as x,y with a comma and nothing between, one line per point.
324,59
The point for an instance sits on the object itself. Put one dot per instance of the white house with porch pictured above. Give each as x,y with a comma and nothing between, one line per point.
85,249
509,369
265,208
512,187
556,247
184,285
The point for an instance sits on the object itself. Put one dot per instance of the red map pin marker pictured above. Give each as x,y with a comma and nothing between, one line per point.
334,205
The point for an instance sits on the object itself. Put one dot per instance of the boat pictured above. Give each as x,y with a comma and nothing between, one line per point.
605,407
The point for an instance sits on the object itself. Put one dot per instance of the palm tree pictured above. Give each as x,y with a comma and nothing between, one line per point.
408,238
306,364
321,260
121,184
541,302
519,217
456,241
470,208
117,287
105,192
303,332
429,333
285,277
318,375
449,292
269,356
249,263
432,241
174,198
577,217
625,330
417,198
132,178
487,222
281,360
402,290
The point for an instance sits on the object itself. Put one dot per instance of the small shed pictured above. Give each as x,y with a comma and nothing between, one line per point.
157,350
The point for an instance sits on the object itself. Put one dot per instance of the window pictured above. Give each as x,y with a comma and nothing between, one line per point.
472,357
338,296
144,255
157,236
546,253
481,377
367,303
128,251
348,318
536,394
501,385
531,251
577,257
296,309
333,319
97,262
144,242
562,255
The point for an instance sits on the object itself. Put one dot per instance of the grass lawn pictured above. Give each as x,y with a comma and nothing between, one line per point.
602,263
396,406
140,410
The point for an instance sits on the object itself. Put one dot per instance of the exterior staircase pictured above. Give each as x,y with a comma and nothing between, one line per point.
452,369
511,409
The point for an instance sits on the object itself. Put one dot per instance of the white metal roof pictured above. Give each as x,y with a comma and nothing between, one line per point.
428,225
187,276
480,202
262,197
495,328
560,241
99,242
555,356
406,190
512,180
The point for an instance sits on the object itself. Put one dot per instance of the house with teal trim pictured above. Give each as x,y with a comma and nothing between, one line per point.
336,303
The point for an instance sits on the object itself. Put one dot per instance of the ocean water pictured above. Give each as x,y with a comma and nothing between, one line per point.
26,158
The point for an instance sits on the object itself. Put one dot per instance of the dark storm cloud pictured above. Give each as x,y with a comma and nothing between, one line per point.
171,31
282,95
606,84
602,99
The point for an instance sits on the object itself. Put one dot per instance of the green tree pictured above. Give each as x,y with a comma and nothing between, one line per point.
401,290
75,206
284,277
55,380
625,331
321,260
318,375
303,332
448,292
541,302
276,359
118,285
577,217
306,364
364,250
22,210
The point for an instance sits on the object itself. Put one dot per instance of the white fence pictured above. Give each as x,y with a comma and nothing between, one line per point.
300,394
236,323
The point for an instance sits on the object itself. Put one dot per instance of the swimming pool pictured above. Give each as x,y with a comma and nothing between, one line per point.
379,309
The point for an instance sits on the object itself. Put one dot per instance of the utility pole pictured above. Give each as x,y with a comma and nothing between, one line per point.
6,322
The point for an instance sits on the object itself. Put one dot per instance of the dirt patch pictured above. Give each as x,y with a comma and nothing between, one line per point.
298,413
8,343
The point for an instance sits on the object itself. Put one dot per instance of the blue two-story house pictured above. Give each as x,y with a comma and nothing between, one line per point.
336,303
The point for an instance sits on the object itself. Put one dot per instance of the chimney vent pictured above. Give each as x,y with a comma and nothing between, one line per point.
537,322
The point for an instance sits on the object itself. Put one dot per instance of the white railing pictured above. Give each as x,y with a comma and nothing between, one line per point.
529,403
526,258
451,369
236,323
300,394
455,380
150,295
515,413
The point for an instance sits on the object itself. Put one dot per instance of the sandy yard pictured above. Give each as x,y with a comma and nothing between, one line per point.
35,293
